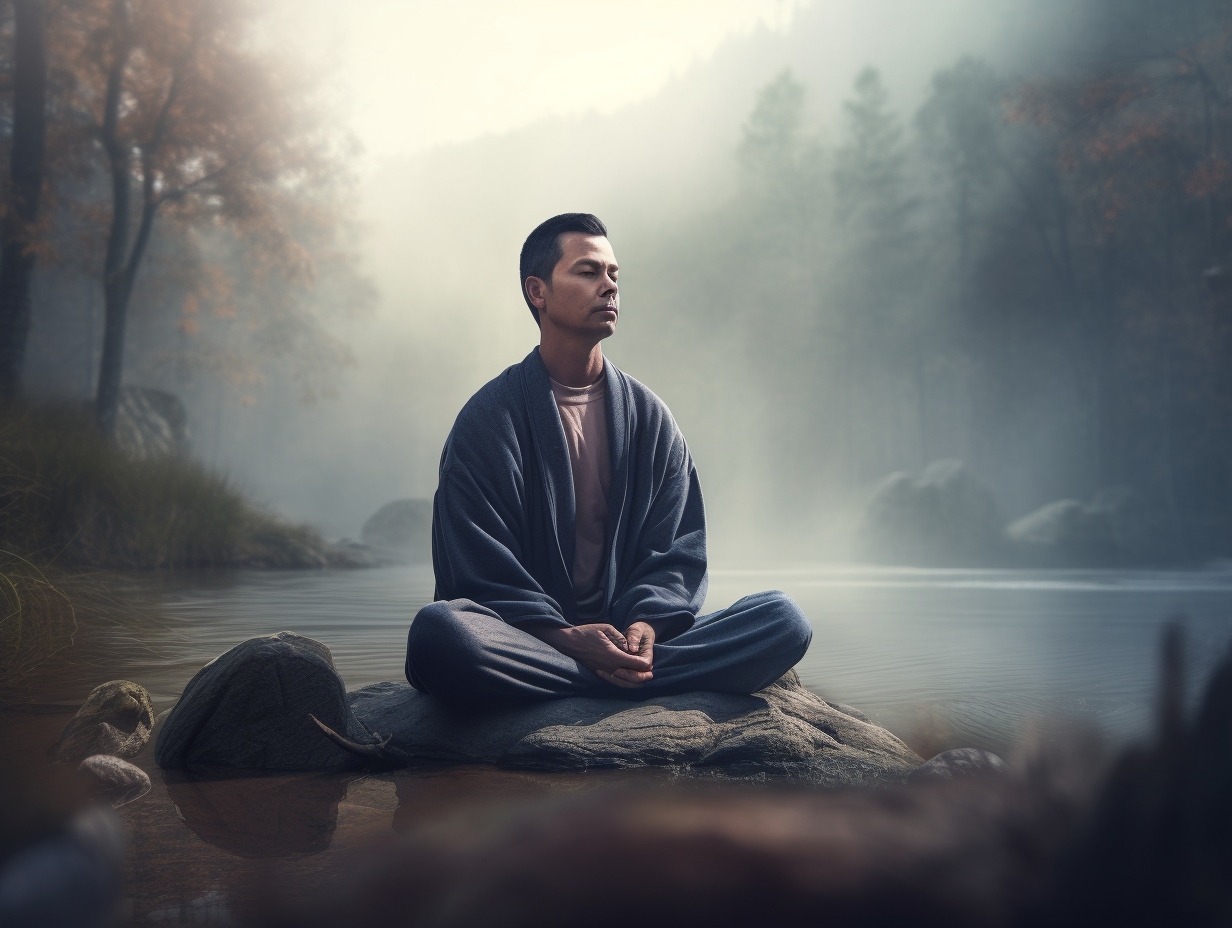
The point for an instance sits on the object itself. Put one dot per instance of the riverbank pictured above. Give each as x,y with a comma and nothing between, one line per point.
75,507
69,496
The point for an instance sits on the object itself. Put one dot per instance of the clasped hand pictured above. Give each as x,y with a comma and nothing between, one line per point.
623,660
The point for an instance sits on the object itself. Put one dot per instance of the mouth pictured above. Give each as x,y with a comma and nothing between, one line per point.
609,308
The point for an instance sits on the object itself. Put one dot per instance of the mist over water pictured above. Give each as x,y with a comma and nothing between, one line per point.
811,330
440,240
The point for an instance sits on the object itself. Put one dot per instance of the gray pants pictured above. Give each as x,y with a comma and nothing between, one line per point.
465,654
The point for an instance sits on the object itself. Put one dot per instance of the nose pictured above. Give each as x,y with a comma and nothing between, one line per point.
609,284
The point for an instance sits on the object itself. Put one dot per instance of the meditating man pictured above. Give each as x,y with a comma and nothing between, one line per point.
568,533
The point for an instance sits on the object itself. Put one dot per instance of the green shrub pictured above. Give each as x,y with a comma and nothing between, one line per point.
70,497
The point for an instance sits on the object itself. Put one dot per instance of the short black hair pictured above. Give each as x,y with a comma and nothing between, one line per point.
541,251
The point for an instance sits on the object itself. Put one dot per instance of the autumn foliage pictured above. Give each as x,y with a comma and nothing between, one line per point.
176,132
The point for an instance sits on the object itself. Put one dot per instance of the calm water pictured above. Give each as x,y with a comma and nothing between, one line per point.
987,650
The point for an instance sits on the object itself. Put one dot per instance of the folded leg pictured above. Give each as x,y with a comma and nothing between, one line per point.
741,649
466,654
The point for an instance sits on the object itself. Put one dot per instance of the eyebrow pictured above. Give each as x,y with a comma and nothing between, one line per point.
595,263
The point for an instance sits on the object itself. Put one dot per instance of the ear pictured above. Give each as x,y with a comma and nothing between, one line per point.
537,291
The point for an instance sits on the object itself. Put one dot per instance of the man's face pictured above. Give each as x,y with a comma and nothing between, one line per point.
583,299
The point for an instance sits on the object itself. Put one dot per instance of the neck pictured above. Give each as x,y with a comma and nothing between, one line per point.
571,364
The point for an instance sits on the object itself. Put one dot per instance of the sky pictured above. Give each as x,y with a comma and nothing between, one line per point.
429,72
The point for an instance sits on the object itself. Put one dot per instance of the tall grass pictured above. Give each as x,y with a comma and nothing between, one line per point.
70,497
72,504
37,618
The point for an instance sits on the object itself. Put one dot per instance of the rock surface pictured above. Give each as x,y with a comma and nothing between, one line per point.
945,517
116,780
151,423
116,718
249,710
403,526
960,764
782,729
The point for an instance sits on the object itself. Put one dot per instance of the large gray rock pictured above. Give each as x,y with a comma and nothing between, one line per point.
1116,527
251,709
783,729
116,718
151,423
403,527
945,517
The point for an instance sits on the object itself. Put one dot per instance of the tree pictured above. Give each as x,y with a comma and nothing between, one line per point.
871,169
193,125
26,162
876,210
959,124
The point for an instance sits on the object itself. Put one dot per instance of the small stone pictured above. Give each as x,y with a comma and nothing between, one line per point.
116,719
960,764
117,781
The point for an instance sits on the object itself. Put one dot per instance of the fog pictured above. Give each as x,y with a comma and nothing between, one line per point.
811,335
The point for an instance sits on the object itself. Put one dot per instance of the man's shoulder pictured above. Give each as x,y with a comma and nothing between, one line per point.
650,411
496,401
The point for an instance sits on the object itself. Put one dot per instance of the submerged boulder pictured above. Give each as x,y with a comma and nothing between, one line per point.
116,718
944,517
253,708
261,817
960,764
403,527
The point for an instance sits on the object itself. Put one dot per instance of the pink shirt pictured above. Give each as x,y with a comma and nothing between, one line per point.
583,415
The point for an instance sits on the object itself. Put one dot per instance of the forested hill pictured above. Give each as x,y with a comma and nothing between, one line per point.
985,231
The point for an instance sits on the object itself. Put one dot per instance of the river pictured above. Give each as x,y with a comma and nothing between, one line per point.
985,652
942,657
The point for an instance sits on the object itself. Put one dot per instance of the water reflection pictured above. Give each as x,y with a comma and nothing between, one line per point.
279,816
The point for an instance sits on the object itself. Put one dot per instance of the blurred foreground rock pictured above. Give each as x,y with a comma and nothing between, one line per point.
69,879
945,517
402,528
116,718
250,710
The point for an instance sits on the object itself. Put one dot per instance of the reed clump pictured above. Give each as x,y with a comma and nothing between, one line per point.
37,618
69,496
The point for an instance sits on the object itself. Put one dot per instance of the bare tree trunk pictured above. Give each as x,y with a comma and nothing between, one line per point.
26,171
115,299
121,263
